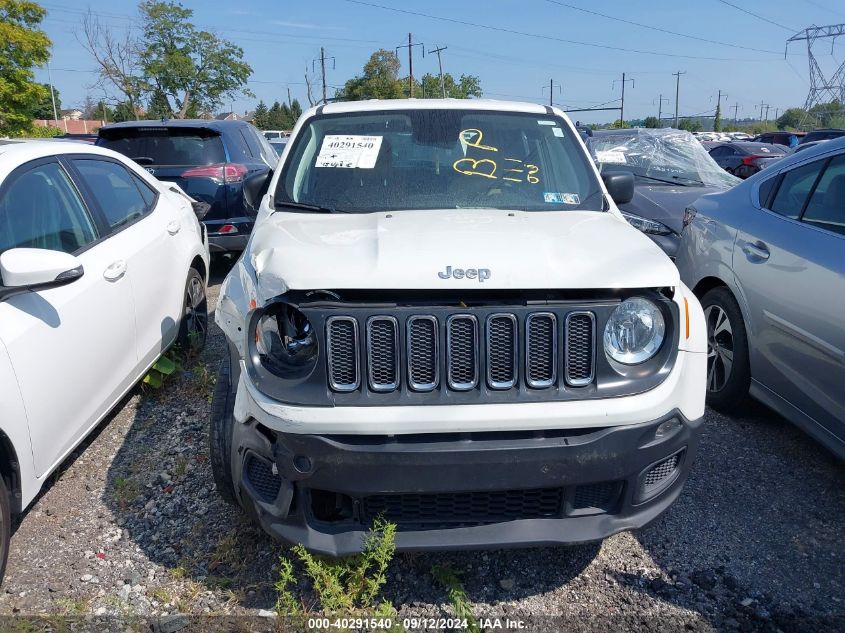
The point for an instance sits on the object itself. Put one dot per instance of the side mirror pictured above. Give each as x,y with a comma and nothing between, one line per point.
256,187
23,269
619,184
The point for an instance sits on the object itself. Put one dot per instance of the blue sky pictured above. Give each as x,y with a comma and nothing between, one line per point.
525,44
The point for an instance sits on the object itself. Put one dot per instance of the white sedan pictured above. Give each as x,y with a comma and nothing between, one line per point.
102,269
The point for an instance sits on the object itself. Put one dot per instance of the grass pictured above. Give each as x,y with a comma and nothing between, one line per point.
348,586
203,380
181,466
447,578
73,606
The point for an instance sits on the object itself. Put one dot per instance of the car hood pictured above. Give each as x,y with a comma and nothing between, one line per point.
412,250
665,203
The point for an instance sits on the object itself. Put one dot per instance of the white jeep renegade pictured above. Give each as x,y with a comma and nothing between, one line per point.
442,319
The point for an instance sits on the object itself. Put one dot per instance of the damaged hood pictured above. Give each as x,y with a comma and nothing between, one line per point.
448,249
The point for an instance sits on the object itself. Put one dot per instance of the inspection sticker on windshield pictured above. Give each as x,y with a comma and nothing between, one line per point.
349,151
554,197
610,156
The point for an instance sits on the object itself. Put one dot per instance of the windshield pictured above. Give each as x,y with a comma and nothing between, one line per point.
165,146
438,159
673,156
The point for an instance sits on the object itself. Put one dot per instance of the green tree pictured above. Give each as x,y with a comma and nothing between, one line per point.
260,116
158,107
467,86
44,107
619,123
22,45
123,111
690,125
651,122
295,113
790,119
380,79
717,120
190,68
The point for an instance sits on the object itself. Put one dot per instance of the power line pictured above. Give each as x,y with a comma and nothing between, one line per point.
756,15
658,29
500,29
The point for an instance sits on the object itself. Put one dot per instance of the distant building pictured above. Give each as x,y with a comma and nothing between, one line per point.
71,114
228,116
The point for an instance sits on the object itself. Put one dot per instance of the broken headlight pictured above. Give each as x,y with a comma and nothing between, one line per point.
286,342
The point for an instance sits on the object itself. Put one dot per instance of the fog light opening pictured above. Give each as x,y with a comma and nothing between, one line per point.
667,428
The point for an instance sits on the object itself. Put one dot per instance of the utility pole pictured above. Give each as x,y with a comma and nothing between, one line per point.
735,107
660,108
677,91
52,94
410,45
762,105
776,113
622,107
552,91
439,50
767,113
322,59
290,104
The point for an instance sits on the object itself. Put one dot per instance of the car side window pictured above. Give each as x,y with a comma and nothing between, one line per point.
826,208
766,191
718,152
114,190
147,193
795,188
41,208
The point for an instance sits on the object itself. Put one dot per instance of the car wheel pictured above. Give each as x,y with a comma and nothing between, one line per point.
5,527
728,369
220,433
193,328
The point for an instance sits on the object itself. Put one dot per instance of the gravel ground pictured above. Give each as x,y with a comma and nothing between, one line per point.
130,533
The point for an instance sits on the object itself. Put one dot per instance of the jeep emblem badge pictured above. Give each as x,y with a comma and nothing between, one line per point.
482,274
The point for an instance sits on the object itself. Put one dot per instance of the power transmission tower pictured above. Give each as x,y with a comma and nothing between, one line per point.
661,99
622,105
551,88
822,89
322,59
410,46
439,50
677,92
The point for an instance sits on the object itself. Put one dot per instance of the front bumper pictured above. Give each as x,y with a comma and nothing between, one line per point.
462,490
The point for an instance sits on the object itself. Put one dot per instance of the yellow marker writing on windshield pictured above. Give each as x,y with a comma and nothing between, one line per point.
470,167
472,141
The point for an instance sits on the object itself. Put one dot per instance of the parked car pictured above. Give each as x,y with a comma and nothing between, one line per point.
102,269
274,135
445,322
739,136
765,258
787,139
744,158
671,169
824,134
805,146
221,163
279,145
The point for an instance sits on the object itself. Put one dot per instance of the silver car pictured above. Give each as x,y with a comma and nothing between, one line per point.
767,260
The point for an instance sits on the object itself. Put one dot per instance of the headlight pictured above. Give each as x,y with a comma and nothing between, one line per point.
634,332
651,227
286,343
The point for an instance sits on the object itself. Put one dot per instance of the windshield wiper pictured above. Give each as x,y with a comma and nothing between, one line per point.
308,207
671,182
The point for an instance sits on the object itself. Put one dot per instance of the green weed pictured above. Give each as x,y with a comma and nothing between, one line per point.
451,582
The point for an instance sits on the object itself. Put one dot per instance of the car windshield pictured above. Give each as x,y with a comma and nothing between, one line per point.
660,155
165,145
364,162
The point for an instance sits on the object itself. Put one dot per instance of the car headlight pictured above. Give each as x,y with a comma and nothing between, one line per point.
634,332
651,227
286,343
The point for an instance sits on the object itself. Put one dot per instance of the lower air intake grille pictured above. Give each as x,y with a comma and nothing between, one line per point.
342,344
580,357
501,351
661,471
259,473
422,353
596,496
461,508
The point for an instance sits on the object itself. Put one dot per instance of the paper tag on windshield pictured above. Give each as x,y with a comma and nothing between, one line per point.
349,151
610,156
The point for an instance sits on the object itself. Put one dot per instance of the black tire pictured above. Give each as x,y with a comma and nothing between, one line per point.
220,434
5,528
728,367
193,326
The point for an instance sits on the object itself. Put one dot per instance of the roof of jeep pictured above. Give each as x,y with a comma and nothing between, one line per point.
378,105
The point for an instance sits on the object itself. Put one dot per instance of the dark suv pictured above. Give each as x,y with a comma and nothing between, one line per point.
223,164
824,134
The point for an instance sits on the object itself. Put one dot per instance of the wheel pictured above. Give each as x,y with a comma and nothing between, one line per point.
193,329
220,434
5,527
728,369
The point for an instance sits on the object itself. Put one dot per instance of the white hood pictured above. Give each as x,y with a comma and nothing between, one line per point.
408,250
